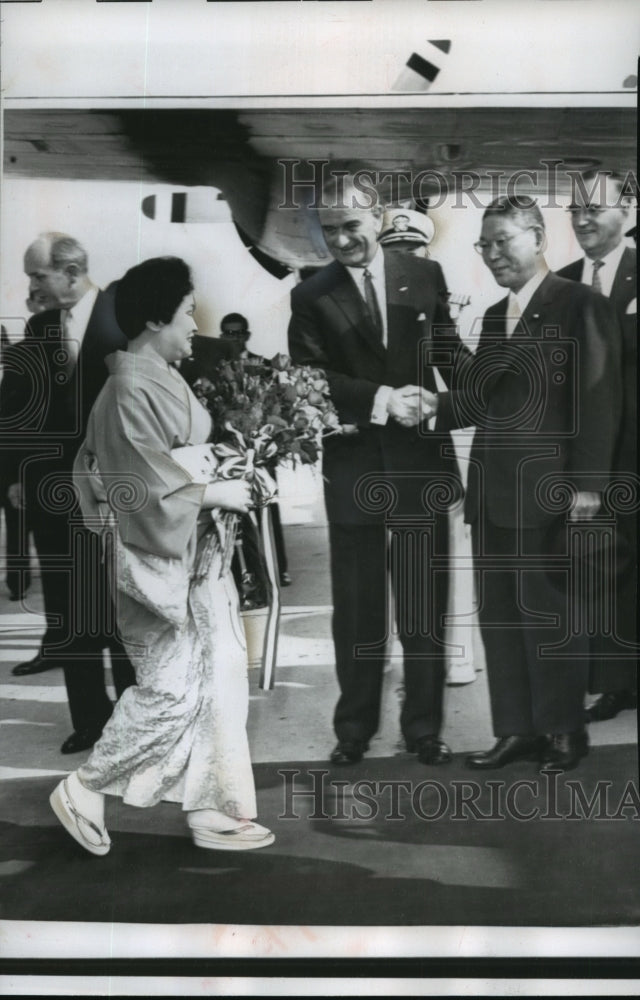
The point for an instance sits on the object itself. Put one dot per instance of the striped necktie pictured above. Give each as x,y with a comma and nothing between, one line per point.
596,283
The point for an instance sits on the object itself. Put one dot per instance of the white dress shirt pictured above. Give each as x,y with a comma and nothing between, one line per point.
376,270
518,301
379,413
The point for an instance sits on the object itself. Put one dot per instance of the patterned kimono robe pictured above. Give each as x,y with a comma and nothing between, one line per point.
180,733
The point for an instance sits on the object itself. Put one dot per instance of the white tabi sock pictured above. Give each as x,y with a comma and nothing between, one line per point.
89,804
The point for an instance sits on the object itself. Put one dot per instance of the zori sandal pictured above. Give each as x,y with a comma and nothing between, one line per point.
87,833
247,837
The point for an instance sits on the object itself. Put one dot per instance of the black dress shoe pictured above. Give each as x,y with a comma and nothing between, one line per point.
431,750
348,752
506,750
78,741
36,666
563,751
285,580
609,704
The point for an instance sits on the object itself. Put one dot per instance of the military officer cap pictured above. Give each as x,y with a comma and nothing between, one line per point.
404,225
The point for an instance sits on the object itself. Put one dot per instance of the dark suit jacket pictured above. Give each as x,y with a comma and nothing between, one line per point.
208,354
625,283
42,409
623,291
330,329
546,403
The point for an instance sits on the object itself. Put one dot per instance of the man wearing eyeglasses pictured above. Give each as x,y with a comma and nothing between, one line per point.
542,391
600,213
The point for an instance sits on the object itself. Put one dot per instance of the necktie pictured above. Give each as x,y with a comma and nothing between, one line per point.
371,300
513,315
69,342
596,283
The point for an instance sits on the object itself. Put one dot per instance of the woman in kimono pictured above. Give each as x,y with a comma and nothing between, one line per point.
179,734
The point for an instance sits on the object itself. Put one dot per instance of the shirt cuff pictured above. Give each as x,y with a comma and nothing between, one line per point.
379,413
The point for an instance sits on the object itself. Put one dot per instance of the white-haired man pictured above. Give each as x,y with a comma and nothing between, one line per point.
58,372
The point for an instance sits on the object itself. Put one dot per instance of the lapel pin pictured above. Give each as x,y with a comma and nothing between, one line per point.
405,288
536,316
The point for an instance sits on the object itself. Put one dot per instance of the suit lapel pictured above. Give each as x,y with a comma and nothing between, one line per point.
623,289
396,281
575,270
407,300
528,328
87,345
347,297
495,326
531,323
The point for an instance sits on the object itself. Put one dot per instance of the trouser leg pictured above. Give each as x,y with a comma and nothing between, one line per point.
51,539
537,653
360,616
558,652
18,572
419,569
500,626
615,644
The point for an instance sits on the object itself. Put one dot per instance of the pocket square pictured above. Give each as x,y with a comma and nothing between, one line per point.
421,318
632,308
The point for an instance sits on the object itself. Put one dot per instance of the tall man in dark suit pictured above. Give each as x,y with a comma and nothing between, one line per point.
57,374
369,320
542,390
600,216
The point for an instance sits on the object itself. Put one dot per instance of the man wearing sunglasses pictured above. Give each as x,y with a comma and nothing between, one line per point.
600,215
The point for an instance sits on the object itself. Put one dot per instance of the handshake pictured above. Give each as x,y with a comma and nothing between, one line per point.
412,404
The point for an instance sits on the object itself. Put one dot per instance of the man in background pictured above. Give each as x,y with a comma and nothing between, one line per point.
48,394
600,214
407,231
234,330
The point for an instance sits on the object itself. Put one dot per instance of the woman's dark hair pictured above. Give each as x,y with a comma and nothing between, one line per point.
151,293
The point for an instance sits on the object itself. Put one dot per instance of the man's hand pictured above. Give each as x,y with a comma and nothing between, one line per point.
411,404
16,497
586,506
429,404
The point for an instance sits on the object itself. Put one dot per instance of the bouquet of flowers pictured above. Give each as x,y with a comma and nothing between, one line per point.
264,413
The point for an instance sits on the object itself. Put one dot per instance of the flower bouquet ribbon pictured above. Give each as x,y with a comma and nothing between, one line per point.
234,461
